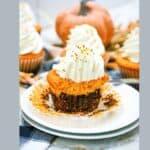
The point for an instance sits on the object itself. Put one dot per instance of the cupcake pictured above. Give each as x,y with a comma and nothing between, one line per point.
88,36
27,16
31,54
128,59
75,82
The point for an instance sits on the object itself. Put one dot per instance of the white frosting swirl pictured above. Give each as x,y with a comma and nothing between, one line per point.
26,14
30,40
131,46
87,35
80,64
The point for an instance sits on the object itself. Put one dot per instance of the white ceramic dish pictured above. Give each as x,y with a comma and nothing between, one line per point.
81,136
122,117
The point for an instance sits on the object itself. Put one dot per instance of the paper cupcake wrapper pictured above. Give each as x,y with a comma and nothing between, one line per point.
41,99
129,73
30,65
128,69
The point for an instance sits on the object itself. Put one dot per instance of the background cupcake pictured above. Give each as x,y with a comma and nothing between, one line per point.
30,54
128,60
27,16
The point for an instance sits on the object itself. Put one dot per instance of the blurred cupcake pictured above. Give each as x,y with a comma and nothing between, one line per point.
75,82
31,54
128,59
27,16
88,36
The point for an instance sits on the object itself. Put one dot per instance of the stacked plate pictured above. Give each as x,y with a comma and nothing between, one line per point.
83,136
110,124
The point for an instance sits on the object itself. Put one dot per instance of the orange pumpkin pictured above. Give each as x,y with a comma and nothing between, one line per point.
87,13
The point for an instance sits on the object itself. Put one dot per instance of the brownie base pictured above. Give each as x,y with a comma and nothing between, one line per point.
80,103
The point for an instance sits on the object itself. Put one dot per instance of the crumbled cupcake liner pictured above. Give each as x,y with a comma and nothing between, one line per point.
41,99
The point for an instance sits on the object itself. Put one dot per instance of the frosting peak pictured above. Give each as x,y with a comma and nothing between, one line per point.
87,35
30,41
80,64
26,14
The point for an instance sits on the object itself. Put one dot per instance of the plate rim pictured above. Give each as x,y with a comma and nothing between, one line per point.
82,134
81,137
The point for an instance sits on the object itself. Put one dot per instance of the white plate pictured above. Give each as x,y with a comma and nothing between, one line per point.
81,136
126,114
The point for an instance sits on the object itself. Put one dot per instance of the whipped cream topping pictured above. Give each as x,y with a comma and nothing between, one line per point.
80,64
87,35
131,46
26,14
30,40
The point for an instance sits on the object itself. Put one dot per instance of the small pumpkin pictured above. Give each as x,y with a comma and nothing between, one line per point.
87,12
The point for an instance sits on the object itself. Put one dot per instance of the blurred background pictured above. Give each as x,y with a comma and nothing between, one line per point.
122,12
47,10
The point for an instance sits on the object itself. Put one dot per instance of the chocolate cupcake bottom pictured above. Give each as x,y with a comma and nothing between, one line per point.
79,103
42,99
